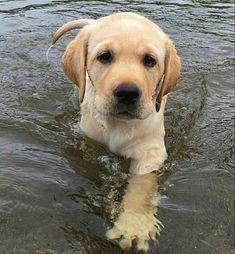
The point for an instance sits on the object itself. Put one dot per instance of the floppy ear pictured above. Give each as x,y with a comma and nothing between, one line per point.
74,61
171,72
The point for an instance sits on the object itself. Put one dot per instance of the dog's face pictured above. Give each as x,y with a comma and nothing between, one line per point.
125,62
127,58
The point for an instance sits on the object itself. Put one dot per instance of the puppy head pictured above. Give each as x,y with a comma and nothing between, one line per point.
126,57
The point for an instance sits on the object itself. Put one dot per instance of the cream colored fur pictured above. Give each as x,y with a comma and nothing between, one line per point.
129,37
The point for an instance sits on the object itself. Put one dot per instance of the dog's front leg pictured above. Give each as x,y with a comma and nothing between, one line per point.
149,160
137,218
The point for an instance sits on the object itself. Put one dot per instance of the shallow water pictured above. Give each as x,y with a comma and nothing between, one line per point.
58,189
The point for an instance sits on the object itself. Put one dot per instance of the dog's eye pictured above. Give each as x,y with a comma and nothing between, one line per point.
149,61
105,57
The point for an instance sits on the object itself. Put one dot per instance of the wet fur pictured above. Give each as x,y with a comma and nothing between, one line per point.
129,36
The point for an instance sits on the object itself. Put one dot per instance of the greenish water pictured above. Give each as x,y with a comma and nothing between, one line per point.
58,189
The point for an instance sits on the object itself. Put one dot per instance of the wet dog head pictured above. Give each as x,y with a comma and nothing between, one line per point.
131,63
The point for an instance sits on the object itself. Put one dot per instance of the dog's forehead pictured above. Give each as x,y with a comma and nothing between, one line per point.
127,30
128,26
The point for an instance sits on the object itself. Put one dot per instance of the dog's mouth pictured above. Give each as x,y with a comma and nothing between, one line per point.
124,112
125,115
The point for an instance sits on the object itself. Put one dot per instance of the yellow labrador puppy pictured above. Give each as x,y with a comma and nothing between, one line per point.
124,66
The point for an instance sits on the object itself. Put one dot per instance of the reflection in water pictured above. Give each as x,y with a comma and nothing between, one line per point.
136,220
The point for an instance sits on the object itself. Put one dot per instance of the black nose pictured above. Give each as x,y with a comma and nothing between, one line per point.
126,94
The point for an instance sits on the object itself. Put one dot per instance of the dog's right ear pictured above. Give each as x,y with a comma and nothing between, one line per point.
74,61
74,58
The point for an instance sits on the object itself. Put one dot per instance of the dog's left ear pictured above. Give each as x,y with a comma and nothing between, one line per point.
172,68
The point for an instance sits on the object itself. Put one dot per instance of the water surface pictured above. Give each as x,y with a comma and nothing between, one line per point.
58,189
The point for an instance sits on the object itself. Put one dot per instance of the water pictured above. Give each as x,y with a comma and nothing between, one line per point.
59,190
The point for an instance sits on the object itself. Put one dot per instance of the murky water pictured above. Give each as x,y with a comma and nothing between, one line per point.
58,189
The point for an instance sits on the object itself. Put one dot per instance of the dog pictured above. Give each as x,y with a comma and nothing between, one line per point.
124,66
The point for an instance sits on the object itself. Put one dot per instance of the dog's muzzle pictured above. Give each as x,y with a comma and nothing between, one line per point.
126,98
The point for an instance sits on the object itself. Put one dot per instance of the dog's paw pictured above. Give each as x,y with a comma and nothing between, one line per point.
140,227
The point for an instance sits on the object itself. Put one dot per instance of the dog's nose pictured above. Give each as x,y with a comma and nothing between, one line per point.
126,93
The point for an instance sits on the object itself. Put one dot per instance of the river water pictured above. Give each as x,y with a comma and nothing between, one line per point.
58,189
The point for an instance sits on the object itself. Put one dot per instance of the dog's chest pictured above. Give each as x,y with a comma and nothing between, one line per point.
117,136
123,138
113,135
